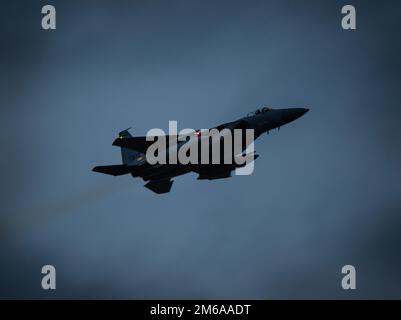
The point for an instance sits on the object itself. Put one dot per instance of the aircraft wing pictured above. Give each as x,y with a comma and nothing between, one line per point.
139,144
159,186
239,124
214,171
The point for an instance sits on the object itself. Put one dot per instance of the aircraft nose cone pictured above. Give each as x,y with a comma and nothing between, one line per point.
299,112
303,110
293,114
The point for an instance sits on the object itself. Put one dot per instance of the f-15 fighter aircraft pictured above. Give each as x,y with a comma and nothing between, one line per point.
135,159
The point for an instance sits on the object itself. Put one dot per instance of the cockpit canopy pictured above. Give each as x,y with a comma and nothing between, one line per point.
259,111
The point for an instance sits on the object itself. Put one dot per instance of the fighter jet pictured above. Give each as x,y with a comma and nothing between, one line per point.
158,176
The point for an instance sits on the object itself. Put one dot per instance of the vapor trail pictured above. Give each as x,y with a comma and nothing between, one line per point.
20,220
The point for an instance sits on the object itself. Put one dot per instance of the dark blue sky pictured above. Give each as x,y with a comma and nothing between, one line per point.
325,192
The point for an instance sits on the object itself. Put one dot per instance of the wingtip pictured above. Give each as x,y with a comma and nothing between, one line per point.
116,141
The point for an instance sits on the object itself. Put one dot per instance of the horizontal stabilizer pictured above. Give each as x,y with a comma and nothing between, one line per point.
159,186
115,170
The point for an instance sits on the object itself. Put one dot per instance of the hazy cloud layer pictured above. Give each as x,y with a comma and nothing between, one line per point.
325,192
